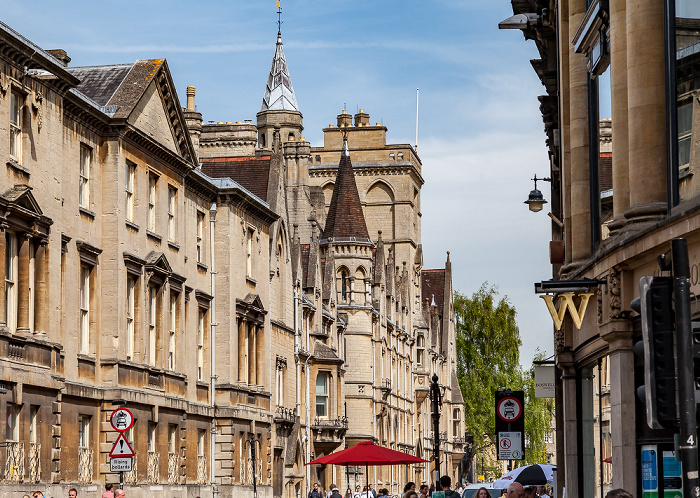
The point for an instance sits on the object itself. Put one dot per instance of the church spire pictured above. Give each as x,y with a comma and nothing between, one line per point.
279,93
345,218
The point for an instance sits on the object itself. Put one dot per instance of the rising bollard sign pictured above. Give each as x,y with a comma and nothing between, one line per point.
510,424
120,458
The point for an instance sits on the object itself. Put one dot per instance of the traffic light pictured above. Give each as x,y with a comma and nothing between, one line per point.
655,306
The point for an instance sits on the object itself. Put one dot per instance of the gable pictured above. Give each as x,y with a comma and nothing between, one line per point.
149,117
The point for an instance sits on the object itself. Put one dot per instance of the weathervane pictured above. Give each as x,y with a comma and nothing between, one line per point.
279,18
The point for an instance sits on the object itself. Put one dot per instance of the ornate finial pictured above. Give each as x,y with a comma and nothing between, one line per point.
448,255
279,20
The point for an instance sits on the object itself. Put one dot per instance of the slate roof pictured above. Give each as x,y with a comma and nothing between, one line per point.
345,219
324,352
279,93
251,172
456,391
433,284
99,83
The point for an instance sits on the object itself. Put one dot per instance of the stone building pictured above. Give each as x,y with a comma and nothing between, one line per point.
218,281
621,190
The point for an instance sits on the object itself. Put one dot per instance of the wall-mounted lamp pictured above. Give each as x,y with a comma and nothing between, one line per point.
535,200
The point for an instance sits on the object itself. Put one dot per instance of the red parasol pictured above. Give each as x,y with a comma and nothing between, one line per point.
367,453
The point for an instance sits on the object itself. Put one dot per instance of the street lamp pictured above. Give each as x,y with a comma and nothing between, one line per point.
251,442
535,201
436,394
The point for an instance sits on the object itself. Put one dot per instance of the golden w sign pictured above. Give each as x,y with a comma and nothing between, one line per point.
566,302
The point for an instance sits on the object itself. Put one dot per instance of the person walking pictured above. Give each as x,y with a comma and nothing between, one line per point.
424,491
119,493
446,483
108,491
315,493
335,492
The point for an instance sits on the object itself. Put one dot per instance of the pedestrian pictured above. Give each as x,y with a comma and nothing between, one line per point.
315,493
408,487
335,492
119,493
483,493
423,491
411,493
330,491
459,489
529,492
446,483
108,491
371,490
383,492
618,493
72,493
515,490
357,491
38,494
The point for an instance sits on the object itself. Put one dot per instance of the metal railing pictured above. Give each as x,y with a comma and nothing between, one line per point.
34,462
338,423
84,465
173,464
201,469
283,414
131,477
153,473
14,461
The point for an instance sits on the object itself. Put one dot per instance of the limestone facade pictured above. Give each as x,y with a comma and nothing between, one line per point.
187,271
648,198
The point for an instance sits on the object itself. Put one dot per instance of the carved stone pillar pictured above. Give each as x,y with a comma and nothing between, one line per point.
251,352
580,227
241,349
41,292
646,111
565,361
3,319
23,285
618,80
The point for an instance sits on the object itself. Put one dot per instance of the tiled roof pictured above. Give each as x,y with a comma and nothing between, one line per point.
251,172
345,218
433,286
99,83
324,352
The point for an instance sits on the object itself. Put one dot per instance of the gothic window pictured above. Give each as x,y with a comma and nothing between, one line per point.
343,285
360,288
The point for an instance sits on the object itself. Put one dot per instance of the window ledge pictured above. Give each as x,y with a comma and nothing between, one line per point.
87,357
684,174
87,212
201,383
251,281
17,166
132,225
173,245
154,236
202,267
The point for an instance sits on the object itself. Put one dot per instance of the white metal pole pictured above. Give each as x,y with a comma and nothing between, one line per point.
212,343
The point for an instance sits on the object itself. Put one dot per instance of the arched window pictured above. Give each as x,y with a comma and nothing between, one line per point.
359,286
262,140
344,285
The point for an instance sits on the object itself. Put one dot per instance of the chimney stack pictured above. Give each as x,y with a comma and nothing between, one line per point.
190,99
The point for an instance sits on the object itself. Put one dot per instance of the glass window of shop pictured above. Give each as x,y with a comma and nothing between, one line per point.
595,435
683,74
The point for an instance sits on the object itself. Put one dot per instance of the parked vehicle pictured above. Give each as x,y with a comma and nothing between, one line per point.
470,491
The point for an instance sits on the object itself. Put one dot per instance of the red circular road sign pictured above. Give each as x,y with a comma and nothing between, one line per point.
505,443
121,419
509,409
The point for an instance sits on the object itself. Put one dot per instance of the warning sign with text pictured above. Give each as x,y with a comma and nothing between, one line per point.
510,446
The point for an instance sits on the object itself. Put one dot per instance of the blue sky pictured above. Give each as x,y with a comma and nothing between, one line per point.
480,136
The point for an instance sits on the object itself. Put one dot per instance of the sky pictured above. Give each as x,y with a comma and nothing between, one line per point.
480,132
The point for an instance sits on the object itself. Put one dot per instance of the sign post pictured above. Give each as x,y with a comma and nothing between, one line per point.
510,424
121,456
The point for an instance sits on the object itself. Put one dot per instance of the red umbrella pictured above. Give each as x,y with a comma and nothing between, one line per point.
368,453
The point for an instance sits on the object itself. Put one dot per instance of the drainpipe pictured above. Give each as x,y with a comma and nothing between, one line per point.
212,348
296,351
308,421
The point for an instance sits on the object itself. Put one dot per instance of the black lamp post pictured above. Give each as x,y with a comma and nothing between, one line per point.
436,398
535,200
251,442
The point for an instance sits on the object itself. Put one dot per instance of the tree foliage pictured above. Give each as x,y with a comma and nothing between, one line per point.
488,359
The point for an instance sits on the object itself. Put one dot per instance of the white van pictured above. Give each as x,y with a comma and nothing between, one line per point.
470,491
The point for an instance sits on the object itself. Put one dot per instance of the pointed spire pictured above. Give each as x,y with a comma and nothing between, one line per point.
345,218
279,93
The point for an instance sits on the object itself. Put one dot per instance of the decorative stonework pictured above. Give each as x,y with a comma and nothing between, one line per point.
615,293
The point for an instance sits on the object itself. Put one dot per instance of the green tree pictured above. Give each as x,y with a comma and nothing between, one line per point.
488,359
